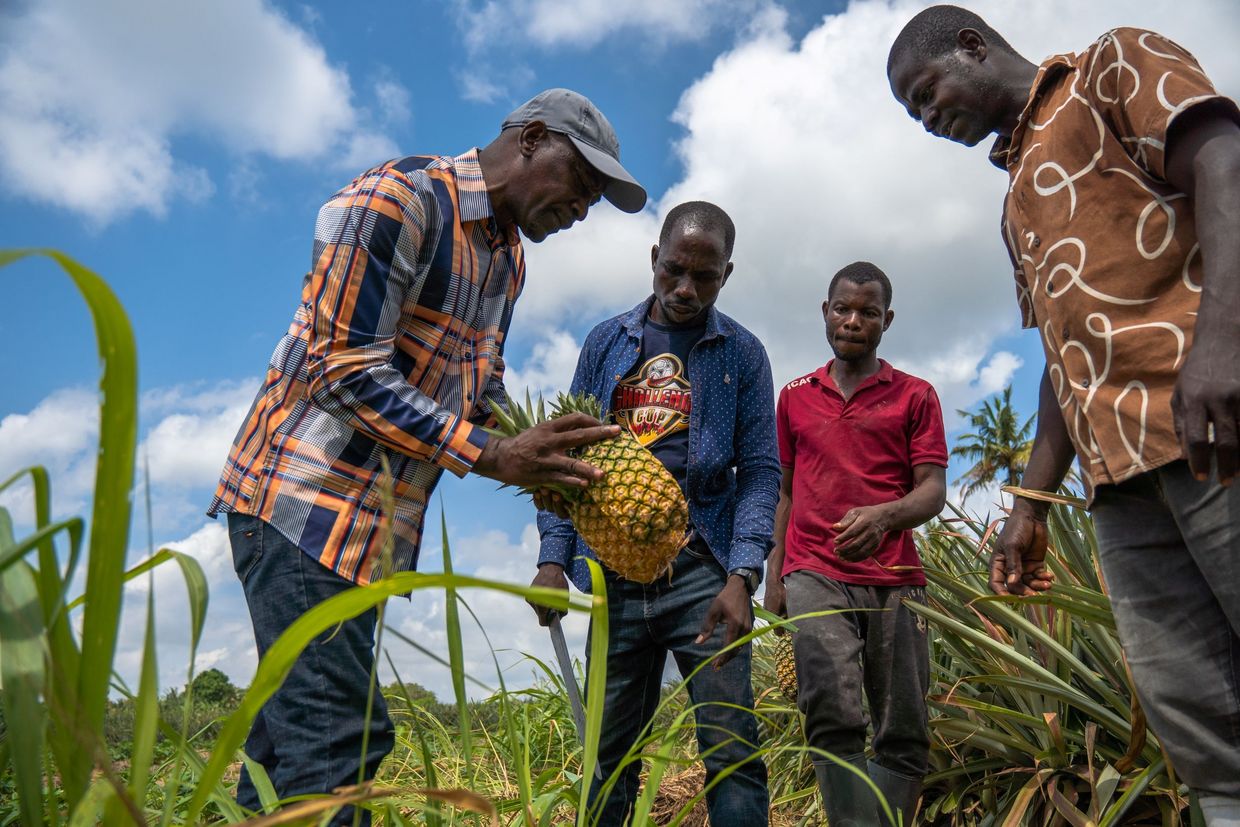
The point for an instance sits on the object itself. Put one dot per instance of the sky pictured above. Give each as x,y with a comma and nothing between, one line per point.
182,149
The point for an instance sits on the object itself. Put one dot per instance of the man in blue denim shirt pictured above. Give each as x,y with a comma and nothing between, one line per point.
694,387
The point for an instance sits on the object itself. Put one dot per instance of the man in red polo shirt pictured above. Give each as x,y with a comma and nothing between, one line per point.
864,462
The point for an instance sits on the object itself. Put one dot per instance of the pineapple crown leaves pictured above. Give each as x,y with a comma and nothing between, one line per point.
512,417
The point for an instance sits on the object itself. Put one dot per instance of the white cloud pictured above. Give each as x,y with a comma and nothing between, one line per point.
584,23
493,31
392,98
94,96
188,444
60,434
805,147
227,640
549,368
600,266
184,449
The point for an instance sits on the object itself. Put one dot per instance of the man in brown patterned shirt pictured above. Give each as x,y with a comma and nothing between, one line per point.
1122,218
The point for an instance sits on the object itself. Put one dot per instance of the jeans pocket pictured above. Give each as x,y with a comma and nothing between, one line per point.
245,535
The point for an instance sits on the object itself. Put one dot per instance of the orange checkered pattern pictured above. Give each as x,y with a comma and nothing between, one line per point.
394,353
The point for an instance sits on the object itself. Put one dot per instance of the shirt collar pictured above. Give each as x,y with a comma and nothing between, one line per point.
473,202
823,376
635,319
1005,150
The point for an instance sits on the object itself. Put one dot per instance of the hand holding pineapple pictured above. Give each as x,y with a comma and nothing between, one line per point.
631,512
540,455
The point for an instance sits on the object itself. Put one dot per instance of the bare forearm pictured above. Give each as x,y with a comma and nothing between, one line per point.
1216,212
921,504
1052,452
775,561
916,508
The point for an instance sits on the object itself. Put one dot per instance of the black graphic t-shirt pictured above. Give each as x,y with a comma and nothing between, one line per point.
654,401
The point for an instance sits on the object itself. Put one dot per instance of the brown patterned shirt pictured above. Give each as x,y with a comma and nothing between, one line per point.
1105,250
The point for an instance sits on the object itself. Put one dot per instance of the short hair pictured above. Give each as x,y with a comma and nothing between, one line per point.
703,215
932,33
863,272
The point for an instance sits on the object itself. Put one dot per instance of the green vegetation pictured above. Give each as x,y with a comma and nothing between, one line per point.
1033,715
998,446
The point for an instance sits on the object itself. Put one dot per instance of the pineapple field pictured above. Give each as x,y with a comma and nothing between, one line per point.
1033,716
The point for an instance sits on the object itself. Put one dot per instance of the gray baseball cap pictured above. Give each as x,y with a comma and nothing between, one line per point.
571,114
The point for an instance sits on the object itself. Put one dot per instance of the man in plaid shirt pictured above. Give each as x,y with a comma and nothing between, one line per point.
386,376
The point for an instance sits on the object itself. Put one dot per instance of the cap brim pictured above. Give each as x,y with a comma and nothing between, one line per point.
622,189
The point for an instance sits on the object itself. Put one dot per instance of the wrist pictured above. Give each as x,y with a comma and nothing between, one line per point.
550,565
487,460
1033,509
747,578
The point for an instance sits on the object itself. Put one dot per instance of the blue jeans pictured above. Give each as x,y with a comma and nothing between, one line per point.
646,622
308,736
1170,552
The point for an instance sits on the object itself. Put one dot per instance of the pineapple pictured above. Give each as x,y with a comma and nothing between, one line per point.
635,518
786,666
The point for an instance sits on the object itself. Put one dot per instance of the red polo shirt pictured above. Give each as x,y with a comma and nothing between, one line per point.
854,453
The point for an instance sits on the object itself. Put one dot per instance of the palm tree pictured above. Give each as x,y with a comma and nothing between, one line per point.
998,445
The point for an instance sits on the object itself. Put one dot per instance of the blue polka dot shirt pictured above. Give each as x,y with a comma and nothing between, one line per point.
733,473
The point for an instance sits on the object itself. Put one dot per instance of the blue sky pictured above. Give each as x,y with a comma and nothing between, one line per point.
182,150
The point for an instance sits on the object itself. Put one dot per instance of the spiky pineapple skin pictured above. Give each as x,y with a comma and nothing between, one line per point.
786,667
635,519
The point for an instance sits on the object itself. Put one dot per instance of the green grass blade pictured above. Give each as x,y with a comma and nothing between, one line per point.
267,797
109,536
596,685
22,675
146,715
93,805
456,655
161,557
275,665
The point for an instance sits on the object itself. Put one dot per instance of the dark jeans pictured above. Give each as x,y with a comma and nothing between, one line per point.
1170,552
646,622
883,653
308,736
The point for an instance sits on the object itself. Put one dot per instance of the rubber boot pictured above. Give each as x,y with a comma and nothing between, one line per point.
846,799
901,792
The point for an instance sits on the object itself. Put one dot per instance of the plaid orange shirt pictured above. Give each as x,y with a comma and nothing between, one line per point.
394,352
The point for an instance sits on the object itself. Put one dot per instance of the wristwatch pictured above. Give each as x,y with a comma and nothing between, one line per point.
752,578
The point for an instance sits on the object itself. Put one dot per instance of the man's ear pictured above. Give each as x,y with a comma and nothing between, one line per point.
971,42
727,271
891,314
654,256
826,303
532,134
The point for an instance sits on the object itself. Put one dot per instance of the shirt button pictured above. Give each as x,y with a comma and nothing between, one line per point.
617,377
1084,383
1037,242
